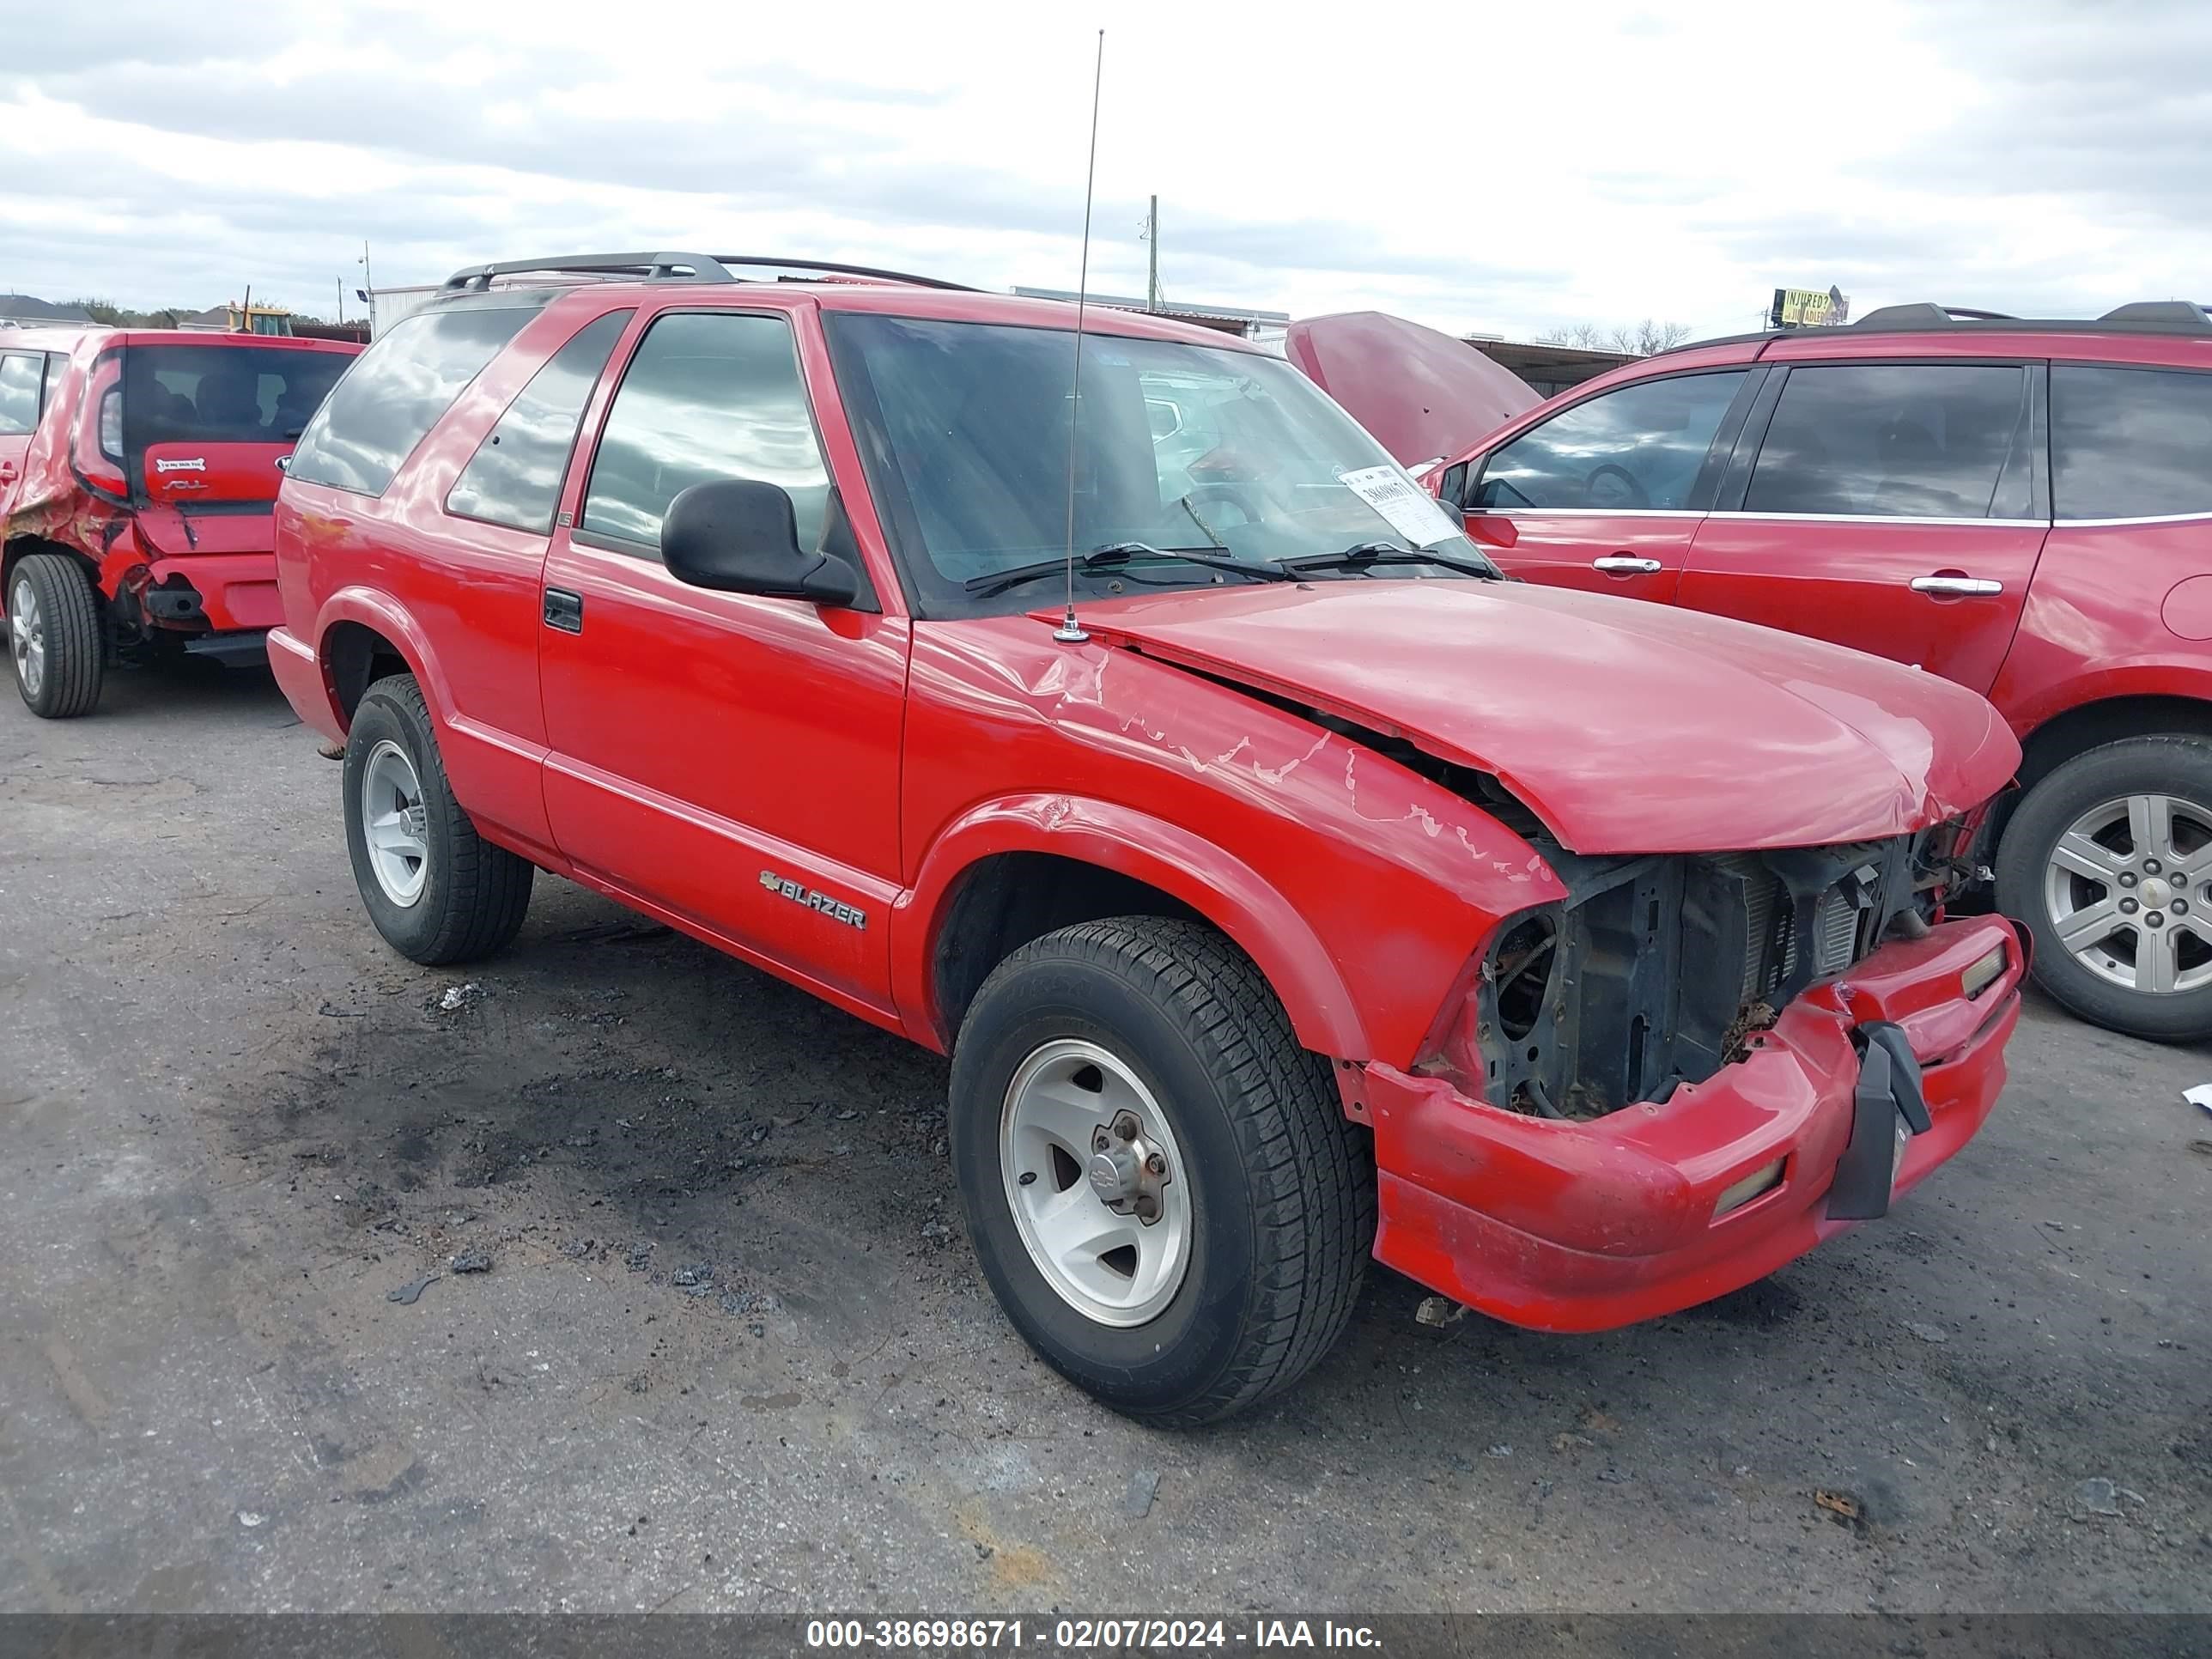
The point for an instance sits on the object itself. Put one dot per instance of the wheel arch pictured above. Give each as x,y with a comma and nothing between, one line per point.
1013,870
362,636
2087,726
19,548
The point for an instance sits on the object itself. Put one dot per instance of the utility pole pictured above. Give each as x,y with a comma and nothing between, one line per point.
367,282
1152,236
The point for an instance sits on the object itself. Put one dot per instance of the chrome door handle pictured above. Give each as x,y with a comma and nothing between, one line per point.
1621,564
1957,587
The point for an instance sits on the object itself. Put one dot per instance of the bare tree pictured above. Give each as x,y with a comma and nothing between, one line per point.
1641,340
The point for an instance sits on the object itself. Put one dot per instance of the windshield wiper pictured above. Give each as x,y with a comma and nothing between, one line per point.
1364,555
1115,556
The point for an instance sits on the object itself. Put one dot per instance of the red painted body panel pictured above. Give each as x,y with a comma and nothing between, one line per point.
1549,691
686,742
1850,583
1418,391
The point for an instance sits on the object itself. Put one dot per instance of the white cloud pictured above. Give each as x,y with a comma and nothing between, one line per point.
1496,167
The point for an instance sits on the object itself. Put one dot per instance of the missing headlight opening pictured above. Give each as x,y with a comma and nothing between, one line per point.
1659,970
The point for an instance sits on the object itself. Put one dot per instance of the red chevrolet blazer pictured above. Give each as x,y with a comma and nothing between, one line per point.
1286,887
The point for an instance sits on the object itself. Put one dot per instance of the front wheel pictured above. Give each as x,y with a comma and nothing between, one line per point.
55,641
1162,1187
2108,864
437,890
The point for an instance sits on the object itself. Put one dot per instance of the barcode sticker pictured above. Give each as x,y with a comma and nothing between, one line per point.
1409,510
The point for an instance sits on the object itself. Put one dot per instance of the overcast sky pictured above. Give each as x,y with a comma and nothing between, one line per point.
1506,168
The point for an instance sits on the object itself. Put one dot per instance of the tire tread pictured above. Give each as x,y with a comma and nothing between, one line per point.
1310,1169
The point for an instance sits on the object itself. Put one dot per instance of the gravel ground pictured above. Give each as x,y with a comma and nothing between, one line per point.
725,1347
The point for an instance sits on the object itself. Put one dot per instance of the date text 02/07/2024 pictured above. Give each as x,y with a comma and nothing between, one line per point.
1084,1635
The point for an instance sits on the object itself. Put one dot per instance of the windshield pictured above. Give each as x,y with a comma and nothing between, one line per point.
1182,448
213,394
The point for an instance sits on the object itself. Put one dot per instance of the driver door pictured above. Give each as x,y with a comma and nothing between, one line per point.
726,760
1606,494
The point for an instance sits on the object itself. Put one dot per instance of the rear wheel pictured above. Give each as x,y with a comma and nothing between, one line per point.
437,890
2108,863
55,642
1161,1184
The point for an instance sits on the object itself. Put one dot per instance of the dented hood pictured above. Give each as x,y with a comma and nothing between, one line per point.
1422,394
1625,726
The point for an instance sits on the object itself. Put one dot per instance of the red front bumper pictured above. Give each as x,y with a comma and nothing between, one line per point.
1585,1226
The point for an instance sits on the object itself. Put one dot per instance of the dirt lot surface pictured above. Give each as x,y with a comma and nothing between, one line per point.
731,1352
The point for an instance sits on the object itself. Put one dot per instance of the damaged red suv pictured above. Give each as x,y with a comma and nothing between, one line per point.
137,468
1286,887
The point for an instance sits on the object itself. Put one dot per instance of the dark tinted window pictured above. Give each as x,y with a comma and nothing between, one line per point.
398,390
222,394
1640,448
708,395
2130,443
1907,440
20,375
514,477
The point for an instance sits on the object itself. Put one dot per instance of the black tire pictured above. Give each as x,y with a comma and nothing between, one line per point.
1283,1186
73,644
473,895
2176,766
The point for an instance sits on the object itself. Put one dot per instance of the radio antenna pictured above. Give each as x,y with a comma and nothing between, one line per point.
1070,631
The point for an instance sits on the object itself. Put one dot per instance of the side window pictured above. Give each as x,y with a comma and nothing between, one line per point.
397,390
20,375
708,395
2130,443
514,477
1908,440
1640,448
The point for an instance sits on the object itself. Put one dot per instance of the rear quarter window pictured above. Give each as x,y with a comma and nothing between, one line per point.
514,477
397,391
20,375
2131,443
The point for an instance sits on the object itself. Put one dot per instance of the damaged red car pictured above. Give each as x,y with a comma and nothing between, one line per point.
1288,889
137,471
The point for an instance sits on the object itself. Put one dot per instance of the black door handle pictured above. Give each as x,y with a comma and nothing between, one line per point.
564,611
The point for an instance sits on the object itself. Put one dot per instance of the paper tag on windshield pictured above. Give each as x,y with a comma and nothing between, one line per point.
1411,511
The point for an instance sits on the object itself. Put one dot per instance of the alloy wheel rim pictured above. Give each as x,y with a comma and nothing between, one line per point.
394,823
1095,1178
27,638
2125,888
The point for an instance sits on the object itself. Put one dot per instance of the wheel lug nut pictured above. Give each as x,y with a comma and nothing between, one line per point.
2152,867
2179,906
2155,920
1125,1126
2129,907
1157,1164
2127,877
2176,881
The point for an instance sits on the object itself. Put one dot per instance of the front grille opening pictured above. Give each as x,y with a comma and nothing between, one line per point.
1658,971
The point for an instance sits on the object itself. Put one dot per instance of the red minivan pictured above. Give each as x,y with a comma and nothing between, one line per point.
2025,507
137,469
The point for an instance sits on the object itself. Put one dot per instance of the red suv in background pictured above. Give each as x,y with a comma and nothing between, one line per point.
2025,507
137,468
1301,889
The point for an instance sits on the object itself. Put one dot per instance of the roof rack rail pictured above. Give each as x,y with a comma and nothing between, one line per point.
672,268
833,268
2186,313
1926,314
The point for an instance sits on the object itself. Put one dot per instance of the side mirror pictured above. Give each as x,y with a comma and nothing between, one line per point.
739,536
